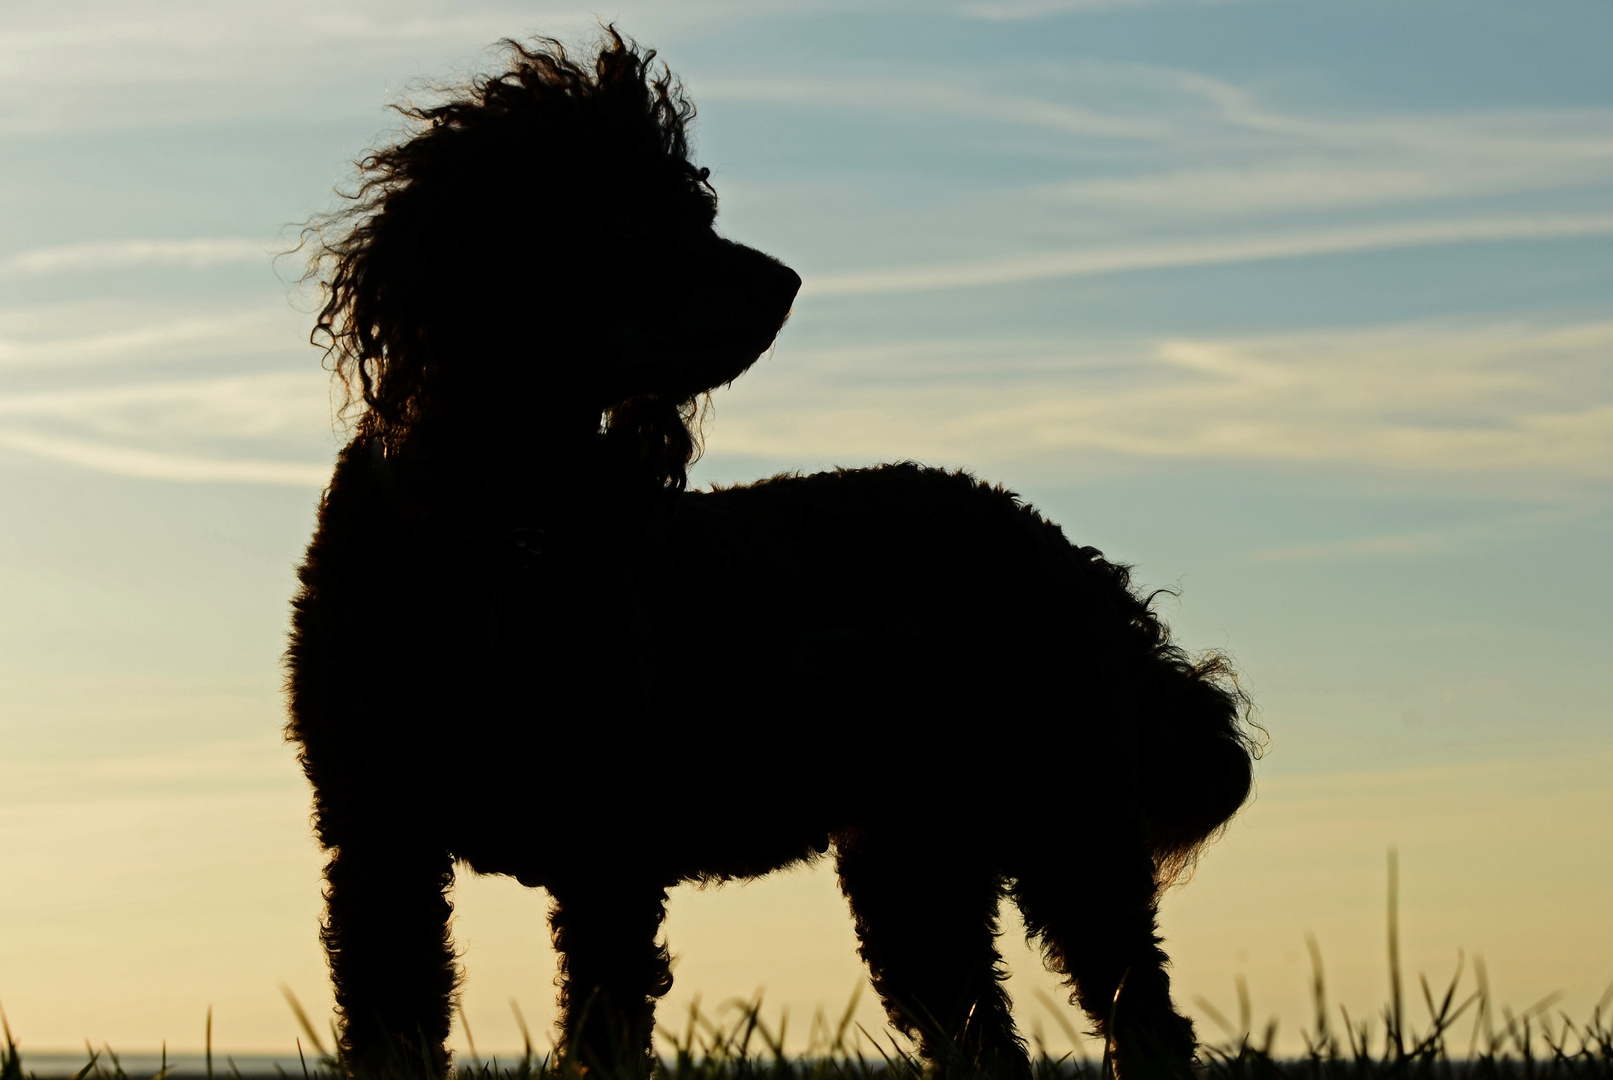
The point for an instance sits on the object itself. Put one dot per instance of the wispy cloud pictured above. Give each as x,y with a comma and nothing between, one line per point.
1038,9
168,61
1244,154
1361,547
174,60
925,96
276,404
155,430
1204,123
1534,519
104,255
1322,179
227,334
152,465
1484,401
1144,146
1151,256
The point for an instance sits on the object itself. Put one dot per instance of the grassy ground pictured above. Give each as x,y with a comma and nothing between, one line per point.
1466,1037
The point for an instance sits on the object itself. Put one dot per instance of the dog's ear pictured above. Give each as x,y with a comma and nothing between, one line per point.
660,435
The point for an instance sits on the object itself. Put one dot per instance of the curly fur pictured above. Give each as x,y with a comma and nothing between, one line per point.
522,646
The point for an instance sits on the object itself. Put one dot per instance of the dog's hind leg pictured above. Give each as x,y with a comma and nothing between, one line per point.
392,963
926,920
1096,925
612,970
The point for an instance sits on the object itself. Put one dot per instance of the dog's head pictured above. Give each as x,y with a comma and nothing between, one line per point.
1195,744
539,253
1199,768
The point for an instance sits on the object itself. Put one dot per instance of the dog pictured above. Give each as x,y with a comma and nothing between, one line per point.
522,646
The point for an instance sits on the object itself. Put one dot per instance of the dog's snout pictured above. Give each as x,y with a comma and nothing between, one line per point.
776,287
761,273
789,282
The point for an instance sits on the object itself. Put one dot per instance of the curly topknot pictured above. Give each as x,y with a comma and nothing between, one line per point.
485,206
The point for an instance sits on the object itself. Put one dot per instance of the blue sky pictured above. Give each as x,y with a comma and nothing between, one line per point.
1304,308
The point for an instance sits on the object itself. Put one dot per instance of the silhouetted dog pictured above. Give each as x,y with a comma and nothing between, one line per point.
519,644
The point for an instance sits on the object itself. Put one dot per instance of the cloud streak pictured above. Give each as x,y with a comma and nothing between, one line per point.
102,428
151,465
230,334
272,404
98,256
920,96
1040,9
1174,254
1497,401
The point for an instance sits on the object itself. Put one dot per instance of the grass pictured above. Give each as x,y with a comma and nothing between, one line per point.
1465,1037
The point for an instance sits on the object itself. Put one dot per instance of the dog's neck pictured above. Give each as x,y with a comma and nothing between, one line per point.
504,480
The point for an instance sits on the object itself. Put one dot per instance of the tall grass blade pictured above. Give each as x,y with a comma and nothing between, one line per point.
526,1036
1482,976
1107,1069
1324,1045
470,1040
1218,1018
296,1010
1064,1022
1396,1006
90,1065
10,1061
838,1045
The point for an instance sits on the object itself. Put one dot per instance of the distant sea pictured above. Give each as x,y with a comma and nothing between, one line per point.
50,1065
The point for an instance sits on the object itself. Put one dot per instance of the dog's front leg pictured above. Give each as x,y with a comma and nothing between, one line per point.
1097,928
392,963
612,970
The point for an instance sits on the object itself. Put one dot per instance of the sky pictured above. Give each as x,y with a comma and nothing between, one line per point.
1303,308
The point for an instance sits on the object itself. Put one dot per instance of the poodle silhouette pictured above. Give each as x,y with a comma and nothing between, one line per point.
522,646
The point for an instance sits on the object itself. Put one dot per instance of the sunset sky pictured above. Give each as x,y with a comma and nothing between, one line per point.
1305,309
